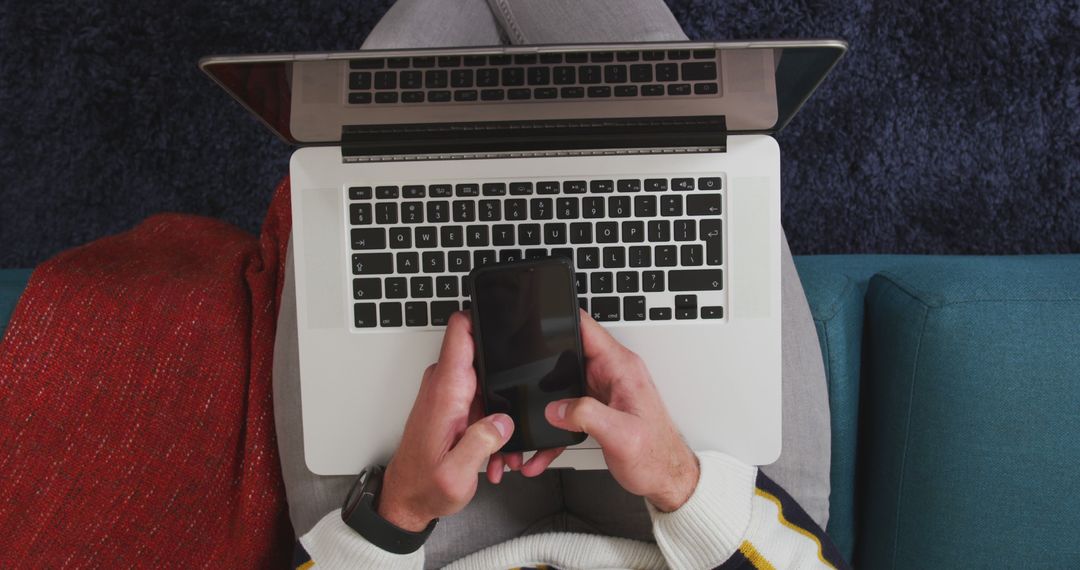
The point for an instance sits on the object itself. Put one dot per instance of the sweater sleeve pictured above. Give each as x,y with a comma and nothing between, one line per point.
332,545
738,518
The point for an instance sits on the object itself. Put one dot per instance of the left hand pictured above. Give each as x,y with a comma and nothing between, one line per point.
446,441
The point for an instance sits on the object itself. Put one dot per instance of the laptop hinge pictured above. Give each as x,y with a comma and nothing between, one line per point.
510,139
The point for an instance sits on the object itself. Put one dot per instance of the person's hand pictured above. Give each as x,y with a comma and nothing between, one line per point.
626,416
446,441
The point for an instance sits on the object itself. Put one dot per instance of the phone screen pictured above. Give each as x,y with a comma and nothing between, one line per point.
529,349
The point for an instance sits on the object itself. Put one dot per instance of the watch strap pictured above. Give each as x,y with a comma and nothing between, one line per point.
362,517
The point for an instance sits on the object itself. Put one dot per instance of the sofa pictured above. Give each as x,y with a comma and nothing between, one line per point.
954,391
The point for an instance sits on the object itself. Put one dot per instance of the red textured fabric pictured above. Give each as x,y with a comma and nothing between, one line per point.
136,422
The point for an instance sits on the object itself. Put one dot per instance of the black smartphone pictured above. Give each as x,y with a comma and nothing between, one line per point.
528,346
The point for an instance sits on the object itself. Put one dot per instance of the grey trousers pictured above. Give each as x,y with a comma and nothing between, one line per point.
558,500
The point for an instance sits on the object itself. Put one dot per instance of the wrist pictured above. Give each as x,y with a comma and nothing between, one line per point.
681,483
401,516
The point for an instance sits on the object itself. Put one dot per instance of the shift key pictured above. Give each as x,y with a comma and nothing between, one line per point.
696,280
372,263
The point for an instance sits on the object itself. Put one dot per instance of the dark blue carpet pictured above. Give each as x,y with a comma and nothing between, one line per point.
951,127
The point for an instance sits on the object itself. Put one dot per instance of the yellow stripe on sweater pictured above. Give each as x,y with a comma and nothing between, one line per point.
306,565
796,528
755,557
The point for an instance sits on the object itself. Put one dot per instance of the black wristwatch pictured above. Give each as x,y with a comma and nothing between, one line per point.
359,513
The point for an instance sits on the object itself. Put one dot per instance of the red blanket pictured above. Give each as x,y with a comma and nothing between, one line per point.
136,422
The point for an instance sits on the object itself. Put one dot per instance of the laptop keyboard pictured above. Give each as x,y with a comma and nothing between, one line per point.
644,249
526,77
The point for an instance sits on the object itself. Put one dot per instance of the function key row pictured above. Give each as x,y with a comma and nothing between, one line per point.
423,62
533,76
530,188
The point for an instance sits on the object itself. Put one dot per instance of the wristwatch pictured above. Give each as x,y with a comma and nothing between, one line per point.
359,512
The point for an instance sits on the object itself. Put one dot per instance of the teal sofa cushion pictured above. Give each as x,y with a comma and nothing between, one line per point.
12,283
971,415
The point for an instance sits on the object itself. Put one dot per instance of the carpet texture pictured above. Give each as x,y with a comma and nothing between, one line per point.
948,128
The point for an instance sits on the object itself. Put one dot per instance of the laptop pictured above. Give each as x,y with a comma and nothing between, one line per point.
650,165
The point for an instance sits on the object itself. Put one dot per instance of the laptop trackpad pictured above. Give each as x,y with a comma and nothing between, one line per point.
322,257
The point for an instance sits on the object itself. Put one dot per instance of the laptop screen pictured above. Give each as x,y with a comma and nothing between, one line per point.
744,87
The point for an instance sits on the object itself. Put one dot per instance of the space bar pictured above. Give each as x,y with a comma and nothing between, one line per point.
696,280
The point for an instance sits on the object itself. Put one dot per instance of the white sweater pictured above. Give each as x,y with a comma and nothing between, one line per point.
736,518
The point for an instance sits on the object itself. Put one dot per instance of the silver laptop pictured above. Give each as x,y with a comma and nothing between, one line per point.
650,166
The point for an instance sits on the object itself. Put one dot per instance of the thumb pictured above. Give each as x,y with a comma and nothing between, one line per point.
589,415
480,440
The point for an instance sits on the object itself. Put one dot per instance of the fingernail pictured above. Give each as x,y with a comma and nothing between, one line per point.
560,412
502,423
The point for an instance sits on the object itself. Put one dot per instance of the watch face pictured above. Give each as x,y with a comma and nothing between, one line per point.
356,493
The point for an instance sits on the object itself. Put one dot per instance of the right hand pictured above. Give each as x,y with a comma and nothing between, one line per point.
625,415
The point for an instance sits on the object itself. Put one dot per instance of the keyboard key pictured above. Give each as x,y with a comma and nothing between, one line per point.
482,257
420,287
451,236
413,191
660,314
545,93
627,56
368,238
475,60
678,89
364,315
682,184
659,230
438,211
711,183
446,286
477,236
644,206
690,255
706,89
513,76
458,261
386,192
436,79
607,232
390,314
581,283
655,184
698,71
589,74
438,96
685,230
515,209
494,189
588,257
640,256
626,282
580,232
704,54
696,280
666,256
427,237
367,288
632,185
490,210
433,262
686,306
565,75
614,257
600,282
593,207
441,311
440,190
601,186
492,95
423,62
711,233
566,252
572,92
652,90
386,97
679,54
386,80
574,187
566,208
397,288
461,78
360,193
408,262
551,58
366,63
510,255
372,263
449,60
466,95
626,91
577,57
619,207
539,75
360,214
502,59
554,234
519,94
540,208
652,281
605,308
465,284
547,187
634,308
464,211
667,72
412,97
633,231
529,234
397,62
599,91
521,188
614,74
502,234
703,205
359,98
535,253
360,80
712,312
671,205
601,56
412,212
525,59
411,80
641,73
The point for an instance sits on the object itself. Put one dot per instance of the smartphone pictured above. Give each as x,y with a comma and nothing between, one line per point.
528,346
